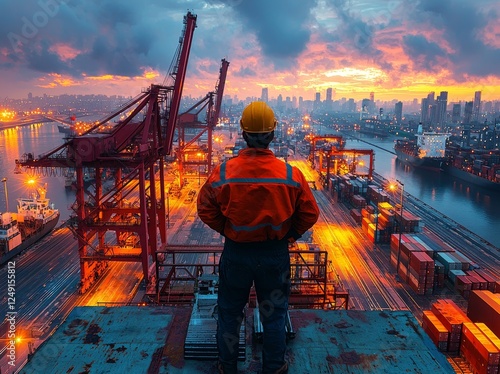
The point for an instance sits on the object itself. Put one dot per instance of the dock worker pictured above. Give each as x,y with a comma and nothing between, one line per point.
259,204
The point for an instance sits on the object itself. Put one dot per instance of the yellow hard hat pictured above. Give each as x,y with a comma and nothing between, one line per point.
257,117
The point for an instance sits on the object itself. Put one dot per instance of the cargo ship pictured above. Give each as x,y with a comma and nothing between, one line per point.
35,218
479,167
66,129
426,150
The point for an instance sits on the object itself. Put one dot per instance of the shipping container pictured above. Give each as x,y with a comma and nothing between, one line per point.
466,262
484,307
478,350
452,317
356,215
449,263
452,275
436,330
488,277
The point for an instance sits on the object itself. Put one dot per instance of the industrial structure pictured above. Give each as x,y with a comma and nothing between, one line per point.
134,151
187,154
331,149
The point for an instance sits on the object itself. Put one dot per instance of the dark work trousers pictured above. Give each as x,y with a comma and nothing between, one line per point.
267,265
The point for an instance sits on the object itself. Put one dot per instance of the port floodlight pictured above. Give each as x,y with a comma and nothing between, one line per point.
258,118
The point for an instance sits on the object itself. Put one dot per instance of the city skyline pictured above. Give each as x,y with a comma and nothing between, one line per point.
400,50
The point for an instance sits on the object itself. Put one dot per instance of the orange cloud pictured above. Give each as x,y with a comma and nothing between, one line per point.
57,80
64,51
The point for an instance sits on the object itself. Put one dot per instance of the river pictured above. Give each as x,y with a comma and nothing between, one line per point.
473,207
476,208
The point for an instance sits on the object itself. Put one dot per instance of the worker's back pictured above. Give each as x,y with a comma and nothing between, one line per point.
258,195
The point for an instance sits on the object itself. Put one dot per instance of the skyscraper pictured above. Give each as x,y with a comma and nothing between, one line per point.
398,111
442,103
424,115
476,110
430,98
469,105
265,95
329,94
456,113
372,97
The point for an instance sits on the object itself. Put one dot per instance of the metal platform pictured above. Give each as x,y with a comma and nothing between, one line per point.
151,340
201,342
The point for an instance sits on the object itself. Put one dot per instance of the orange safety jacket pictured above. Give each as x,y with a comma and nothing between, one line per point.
256,197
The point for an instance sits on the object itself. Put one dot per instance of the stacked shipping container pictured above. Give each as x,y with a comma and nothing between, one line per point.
446,263
475,335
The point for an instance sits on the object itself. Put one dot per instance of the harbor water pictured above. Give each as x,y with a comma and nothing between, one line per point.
475,208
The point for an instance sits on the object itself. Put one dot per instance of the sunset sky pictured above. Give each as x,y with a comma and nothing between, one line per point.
399,49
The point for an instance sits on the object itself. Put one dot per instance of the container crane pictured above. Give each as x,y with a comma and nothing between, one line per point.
189,120
133,209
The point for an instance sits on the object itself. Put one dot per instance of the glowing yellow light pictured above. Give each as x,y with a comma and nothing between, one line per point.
31,181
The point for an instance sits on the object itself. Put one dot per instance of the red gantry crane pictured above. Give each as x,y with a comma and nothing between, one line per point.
187,154
335,149
133,209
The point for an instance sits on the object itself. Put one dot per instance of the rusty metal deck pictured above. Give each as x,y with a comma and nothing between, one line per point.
151,340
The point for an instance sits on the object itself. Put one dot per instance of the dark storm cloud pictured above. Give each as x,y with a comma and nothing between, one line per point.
424,54
281,26
111,36
461,24
354,34
43,60
245,71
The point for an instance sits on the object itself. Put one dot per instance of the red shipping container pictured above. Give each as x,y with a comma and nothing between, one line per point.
452,317
478,350
488,277
483,284
485,307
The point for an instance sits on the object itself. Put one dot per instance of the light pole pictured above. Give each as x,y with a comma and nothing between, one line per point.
4,180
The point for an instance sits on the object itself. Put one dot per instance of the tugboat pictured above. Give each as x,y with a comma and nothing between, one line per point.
35,218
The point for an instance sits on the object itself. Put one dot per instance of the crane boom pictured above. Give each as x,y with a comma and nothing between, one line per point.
180,74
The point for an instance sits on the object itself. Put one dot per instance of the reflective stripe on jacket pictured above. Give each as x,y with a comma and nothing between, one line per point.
256,197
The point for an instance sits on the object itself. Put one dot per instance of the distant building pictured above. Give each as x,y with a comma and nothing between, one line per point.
366,105
465,141
456,113
329,94
317,101
398,111
476,110
441,104
424,114
265,95
430,98
469,105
